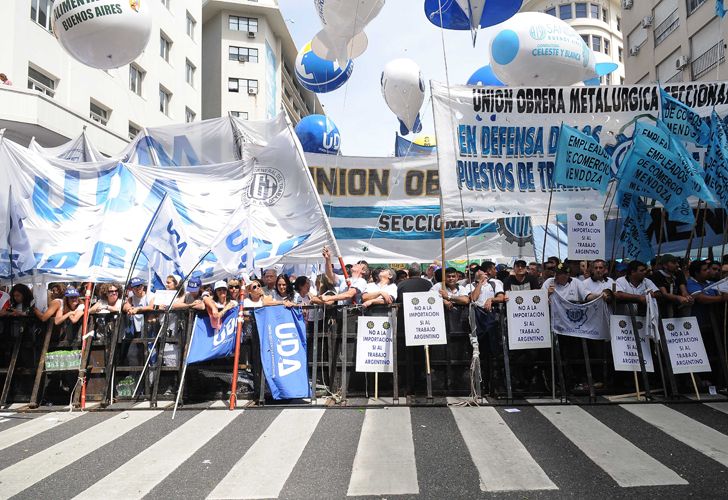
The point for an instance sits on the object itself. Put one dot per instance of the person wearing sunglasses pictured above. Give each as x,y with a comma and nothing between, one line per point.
109,301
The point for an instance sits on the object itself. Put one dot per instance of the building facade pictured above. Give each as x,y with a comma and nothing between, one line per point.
673,41
249,61
599,22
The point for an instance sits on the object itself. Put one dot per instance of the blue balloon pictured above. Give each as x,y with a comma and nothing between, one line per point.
485,77
318,134
452,17
319,75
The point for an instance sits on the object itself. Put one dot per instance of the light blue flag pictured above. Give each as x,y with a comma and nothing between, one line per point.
716,160
682,213
661,136
634,237
282,334
581,161
719,8
655,172
209,343
682,121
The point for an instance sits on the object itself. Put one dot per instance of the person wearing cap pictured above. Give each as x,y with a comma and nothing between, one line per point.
563,284
71,311
521,279
138,303
218,303
598,283
193,295
635,287
673,288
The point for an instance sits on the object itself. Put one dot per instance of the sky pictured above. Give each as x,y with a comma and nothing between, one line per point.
401,30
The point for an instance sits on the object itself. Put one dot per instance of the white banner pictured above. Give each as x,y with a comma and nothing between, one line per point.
528,320
388,210
424,319
496,145
588,321
624,348
374,345
586,234
685,345
85,220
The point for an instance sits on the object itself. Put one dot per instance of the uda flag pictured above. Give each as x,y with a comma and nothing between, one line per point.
21,254
581,161
682,121
234,246
282,333
167,246
208,343
588,321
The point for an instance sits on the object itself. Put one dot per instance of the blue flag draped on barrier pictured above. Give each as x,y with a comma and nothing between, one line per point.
581,161
208,343
404,147
682,121
282,333
716,160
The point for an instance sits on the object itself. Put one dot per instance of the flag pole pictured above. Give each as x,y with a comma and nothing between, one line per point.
238,334
84,330
184,372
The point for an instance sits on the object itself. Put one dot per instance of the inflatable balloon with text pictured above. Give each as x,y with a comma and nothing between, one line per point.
536,49
342,37
105,34
319,75
318,134
404,92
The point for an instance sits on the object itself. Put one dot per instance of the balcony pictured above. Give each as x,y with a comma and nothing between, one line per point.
693,5
676,78
666,27
708,60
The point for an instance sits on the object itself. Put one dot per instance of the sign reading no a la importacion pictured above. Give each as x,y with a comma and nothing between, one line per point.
424,319
374,345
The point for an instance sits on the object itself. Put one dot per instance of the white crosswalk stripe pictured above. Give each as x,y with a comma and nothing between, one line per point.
385,458
627,464
140,475
721,407
502,461
33,427
264,469
698,436
26,473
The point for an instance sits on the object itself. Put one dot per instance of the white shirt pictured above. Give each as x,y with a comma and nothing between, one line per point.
460,292
358,283
589,286
572,291
642,289
390,289
488,290
250,303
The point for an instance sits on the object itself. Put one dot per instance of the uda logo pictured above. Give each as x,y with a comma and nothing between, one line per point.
516,230
266,187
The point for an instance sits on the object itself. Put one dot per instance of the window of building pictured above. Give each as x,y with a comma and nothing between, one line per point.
99,113
608,78
606,46
596,43
666,20
620,54
40,12
619,23
586,39
240,114
594,11
242,85
249,24
165,46
41,82
136,77
705,51
605,15
165,96
565,11
551,11
243,54
190,72
580,9
693,5
134,130
166,3
189,115
191,23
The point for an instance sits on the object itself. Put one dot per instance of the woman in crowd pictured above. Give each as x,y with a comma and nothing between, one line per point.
70,314
21,300
109,301
282,294
218,303
383,292
255,294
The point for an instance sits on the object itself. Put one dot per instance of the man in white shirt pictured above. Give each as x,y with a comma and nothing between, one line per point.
598,283
634,287
453,293
348,293
487,290
570,289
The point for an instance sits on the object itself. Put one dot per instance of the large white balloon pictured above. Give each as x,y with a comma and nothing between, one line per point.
103,34
533,49
342,37
404,92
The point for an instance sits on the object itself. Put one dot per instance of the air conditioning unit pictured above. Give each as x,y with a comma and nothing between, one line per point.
681,62
627,4
253,91
243,59
647,21
634,51
251,34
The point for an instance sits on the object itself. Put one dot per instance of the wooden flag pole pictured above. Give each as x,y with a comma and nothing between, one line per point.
236,364
84,330
695,385
376,386
637,385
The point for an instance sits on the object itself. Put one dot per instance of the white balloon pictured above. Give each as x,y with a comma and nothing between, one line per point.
104,34
342,37
536,49
404,92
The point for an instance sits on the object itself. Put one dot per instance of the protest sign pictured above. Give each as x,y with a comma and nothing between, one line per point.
528,320
685,345
586,234
374,345
424,319
624,349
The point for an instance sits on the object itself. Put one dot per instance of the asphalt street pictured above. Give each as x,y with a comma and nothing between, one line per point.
519,452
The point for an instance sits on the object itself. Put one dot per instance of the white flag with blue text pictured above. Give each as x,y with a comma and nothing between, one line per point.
21,255
234,246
